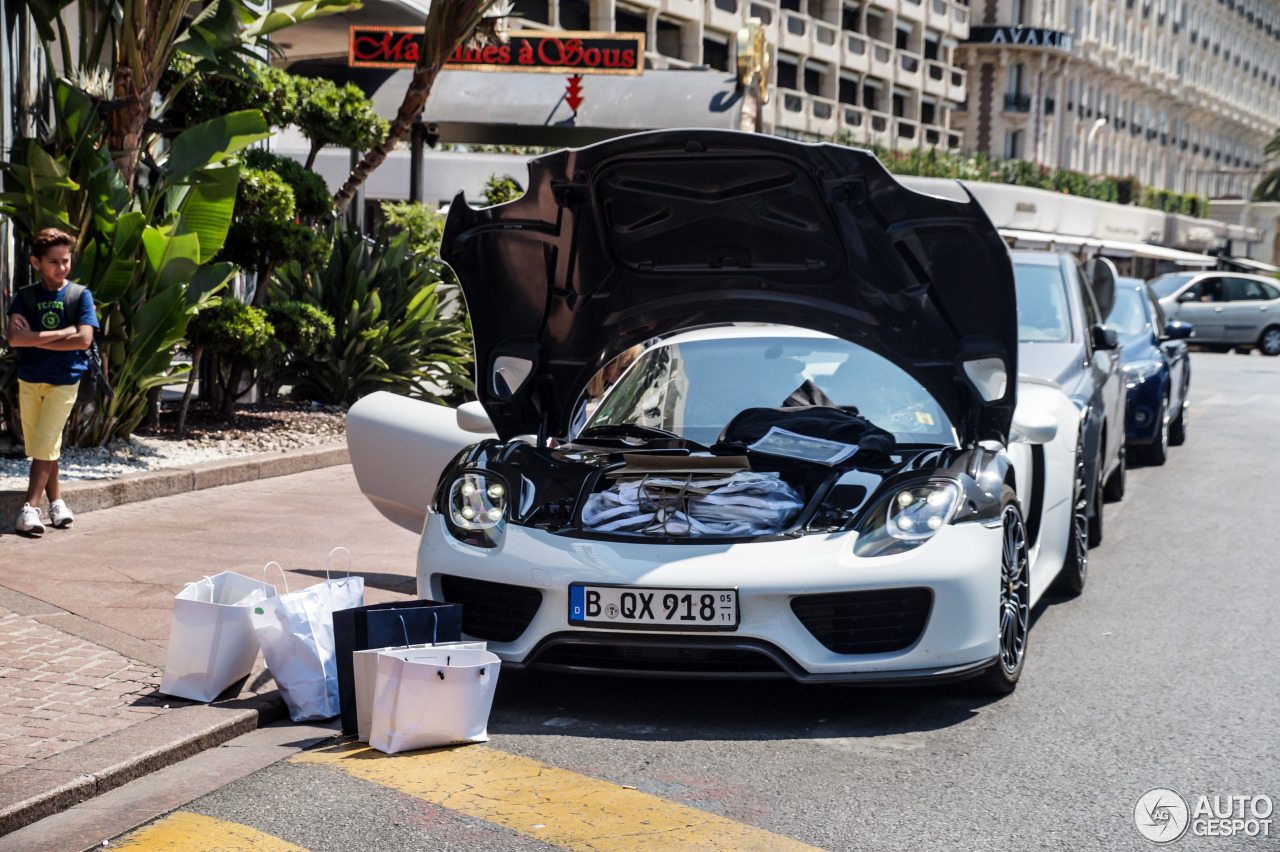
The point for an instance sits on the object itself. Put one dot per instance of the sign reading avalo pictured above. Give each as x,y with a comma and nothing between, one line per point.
547,52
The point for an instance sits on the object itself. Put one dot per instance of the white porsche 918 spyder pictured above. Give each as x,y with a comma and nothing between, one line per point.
745,408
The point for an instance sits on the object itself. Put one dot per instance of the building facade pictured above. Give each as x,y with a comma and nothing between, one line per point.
1181,94
868,71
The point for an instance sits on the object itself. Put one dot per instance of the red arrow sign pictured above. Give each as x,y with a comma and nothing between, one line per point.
573,93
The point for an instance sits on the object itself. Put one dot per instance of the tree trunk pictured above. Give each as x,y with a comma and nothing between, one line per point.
186,394
126,125
153,406
450,23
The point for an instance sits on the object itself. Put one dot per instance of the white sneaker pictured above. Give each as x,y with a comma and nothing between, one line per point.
60,516
29,520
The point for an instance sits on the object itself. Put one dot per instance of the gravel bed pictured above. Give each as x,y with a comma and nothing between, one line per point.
253,429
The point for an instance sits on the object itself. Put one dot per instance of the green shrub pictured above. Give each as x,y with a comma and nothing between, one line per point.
237,333
300,329
312,199
390,331
423,225
500,190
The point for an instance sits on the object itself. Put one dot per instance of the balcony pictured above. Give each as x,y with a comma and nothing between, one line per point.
906,133
912,10
724,15
879,129
881,60
960,18
826,42
955,141
1017,103
956,90
908,72
932,136
824,116
793,35
855,53
939,14
935,78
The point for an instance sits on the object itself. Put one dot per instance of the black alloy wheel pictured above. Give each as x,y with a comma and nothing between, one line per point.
1075,565
1269,342
1157,451
1015,603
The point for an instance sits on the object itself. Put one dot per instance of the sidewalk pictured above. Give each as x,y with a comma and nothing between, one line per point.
84,614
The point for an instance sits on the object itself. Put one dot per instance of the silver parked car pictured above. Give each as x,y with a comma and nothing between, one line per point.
1227,308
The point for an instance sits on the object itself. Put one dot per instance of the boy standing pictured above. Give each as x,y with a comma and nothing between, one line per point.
50,365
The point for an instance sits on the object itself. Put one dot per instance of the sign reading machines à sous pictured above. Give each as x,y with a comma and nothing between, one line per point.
547,52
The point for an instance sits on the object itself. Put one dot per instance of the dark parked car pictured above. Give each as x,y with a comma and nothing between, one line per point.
1157,371
1062,338
1228,309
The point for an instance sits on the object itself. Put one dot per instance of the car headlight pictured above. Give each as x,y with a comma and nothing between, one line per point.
475,508
1139,371
907,517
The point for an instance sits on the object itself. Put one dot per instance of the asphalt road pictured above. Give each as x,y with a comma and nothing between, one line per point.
1164,673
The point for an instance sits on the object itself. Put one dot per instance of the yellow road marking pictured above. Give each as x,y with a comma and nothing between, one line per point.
187,832
553,805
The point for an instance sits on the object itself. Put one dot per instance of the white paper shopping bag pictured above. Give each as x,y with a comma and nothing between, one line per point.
432,697
296,633
211,638
364,666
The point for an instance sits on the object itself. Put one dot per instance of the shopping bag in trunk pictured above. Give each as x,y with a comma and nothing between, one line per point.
364,666
379,626
211,638
296,633
432,697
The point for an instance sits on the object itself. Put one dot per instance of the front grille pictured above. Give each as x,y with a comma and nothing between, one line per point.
875,622
496,612
657,657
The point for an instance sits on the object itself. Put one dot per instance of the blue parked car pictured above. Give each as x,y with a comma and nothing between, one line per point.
1156,368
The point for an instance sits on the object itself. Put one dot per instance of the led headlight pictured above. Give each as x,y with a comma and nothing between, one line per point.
1139,371
907,518
475,508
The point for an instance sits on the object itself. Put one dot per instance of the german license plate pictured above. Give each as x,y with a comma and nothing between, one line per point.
625,607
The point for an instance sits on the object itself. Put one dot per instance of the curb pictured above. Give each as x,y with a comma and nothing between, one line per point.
86,495
52,785
46,787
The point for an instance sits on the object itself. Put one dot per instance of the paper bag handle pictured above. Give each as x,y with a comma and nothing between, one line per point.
435,625
283,578
197,583
330,557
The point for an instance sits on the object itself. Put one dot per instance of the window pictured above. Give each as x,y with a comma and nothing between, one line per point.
788,71
575,15
1207,290
1243,290
931,47
1013,144
815,75
715,50
1043,313
532,10
669,37
871,94
901,38
848,93
849,17
1015,79
928,113
630,20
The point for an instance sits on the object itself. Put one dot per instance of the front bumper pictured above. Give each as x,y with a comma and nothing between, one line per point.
960,567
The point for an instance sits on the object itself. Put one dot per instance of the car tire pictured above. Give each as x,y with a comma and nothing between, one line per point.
1113,491
1075,564
1178,428
1001,677
1095,522
1269,341
1157,451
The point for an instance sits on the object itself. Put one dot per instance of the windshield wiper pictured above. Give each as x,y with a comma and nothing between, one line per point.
634,430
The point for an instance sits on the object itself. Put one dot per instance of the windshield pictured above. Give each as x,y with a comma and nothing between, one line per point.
696,387
1167,285
1129,316
1043,315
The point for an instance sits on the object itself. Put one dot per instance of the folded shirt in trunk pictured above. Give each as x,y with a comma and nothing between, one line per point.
742,503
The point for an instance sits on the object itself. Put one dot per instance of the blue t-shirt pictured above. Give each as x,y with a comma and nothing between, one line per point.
47,366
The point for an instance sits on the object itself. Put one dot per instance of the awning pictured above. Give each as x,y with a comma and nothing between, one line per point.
499,107
1114,248
1250,263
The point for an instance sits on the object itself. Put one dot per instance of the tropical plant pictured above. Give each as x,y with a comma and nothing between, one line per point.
329,114
449,24
389,330
147,259
500,190
423,225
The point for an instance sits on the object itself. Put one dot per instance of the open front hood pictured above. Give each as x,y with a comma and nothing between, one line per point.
644,235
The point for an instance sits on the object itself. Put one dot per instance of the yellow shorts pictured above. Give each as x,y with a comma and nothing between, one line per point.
45,409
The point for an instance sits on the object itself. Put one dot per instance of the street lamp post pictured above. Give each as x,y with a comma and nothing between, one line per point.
1088,143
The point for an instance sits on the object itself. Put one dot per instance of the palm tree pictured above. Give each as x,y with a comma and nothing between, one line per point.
1268,189
450,23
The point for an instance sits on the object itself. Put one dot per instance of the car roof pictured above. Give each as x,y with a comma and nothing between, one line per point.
1038,258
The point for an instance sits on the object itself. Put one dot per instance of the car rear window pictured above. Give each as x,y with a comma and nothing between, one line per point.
1044,315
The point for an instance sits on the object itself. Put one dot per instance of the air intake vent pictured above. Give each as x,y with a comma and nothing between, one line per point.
496,612
875,622
620,656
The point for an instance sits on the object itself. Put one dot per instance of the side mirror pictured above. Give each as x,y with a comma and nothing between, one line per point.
1189,296
1178,330
1102,275
1104,338
473,418
1033,427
